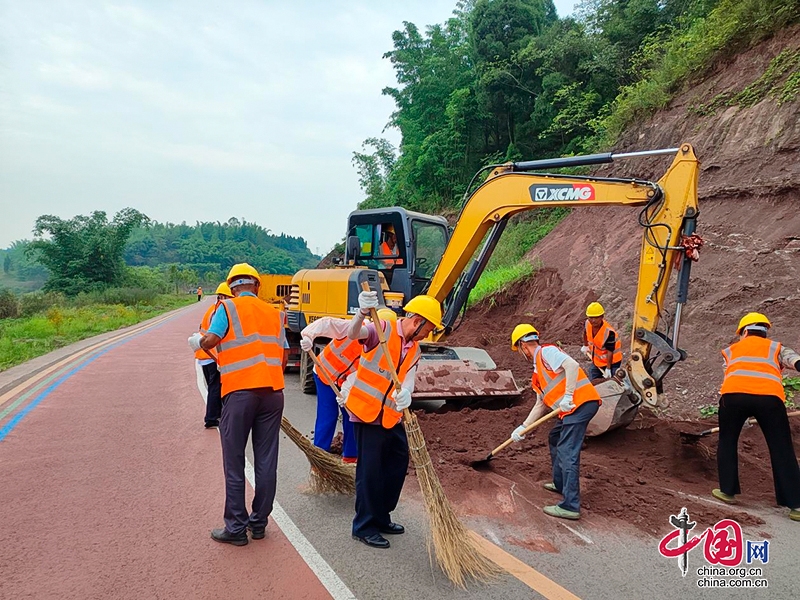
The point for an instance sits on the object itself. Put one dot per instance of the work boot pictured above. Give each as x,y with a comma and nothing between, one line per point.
393,529
561,513
720,495
223,536
551,487
375,540
794,514
257,533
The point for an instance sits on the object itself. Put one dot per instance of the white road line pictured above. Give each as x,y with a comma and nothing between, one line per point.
585,538
324,572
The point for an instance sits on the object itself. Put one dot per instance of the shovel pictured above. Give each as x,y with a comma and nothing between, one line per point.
482,464
693,438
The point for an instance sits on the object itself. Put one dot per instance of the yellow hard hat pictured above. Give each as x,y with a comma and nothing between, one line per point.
243,270
752,318
427,307
224,290
595,309
387,314
520,331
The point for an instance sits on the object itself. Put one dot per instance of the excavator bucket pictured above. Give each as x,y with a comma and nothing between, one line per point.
618,409
453,373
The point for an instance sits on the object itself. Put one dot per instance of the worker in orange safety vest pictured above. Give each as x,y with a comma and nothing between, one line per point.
601,343
250,343
338,363
209,365
753,387
560,384
377,411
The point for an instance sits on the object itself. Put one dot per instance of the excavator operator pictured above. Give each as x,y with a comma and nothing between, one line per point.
389,247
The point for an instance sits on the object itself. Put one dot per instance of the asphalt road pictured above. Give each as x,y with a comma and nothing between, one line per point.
110,486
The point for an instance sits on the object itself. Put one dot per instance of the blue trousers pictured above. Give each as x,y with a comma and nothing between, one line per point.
595,373
258,410
566,439
380,474
327,416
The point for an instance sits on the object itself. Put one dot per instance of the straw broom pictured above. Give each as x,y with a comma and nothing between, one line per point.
456,553
328,472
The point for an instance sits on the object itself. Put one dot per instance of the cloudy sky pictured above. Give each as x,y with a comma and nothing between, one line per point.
195,110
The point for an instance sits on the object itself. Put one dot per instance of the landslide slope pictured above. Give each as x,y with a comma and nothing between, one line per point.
749,218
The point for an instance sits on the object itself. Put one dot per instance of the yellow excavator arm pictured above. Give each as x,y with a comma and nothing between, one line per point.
668,216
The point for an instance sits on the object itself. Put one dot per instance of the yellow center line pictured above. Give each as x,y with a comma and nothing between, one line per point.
42,374
525,573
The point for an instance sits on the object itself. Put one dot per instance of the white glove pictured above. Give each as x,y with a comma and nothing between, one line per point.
565,404
306,344
517,434
367,300
607,373
585,352
402,398
341,400
194,341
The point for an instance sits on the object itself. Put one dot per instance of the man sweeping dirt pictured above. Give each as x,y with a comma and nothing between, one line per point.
377,411
560,384
753,388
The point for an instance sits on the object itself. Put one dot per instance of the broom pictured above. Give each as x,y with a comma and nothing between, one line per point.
455,551
329,473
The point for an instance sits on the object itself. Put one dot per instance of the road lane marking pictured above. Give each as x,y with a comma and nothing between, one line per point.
585,538
74,366
68,359
525,573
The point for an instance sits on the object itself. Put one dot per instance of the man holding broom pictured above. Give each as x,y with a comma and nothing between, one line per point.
250,342
337,364
209,365
560,385
377,411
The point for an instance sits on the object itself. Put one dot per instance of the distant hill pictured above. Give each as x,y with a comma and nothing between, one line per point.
208,249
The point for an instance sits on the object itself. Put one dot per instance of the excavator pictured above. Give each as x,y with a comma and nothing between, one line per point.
401,253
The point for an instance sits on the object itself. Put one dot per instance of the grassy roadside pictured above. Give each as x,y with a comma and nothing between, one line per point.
508,264
25,338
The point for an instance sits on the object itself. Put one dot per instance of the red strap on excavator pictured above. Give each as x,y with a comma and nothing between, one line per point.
691,246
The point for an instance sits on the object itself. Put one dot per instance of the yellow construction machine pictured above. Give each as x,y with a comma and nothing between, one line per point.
275,291
402,253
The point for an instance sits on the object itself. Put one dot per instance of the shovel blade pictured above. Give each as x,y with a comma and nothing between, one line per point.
483,464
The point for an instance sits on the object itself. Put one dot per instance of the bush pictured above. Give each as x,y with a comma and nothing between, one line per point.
9,305
39,302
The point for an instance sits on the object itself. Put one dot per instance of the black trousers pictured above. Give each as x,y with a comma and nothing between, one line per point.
214,396
380,474
770,412
260,411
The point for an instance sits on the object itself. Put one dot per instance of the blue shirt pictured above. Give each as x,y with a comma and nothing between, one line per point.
219,322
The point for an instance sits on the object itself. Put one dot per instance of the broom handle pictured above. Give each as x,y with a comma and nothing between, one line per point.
332,385
376,320
525,431
749,422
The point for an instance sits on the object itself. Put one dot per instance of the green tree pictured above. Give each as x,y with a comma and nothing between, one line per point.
85,252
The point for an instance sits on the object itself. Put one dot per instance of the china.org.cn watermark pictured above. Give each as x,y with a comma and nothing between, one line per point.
732,561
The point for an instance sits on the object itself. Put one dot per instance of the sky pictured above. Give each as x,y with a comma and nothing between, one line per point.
195,110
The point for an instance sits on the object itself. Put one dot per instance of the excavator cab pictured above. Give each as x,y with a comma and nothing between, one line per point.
405,246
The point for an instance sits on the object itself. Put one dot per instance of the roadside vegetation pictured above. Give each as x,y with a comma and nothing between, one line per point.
506,80
40,322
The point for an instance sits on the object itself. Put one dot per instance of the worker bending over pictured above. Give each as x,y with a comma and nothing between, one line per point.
339,360
560,385
601,343
249,337
376,409
753,388
209,365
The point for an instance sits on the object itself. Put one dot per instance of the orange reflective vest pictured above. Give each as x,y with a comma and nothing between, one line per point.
338,359
386,251
753,366
552,385
369,398
597,344
204,325
251,353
